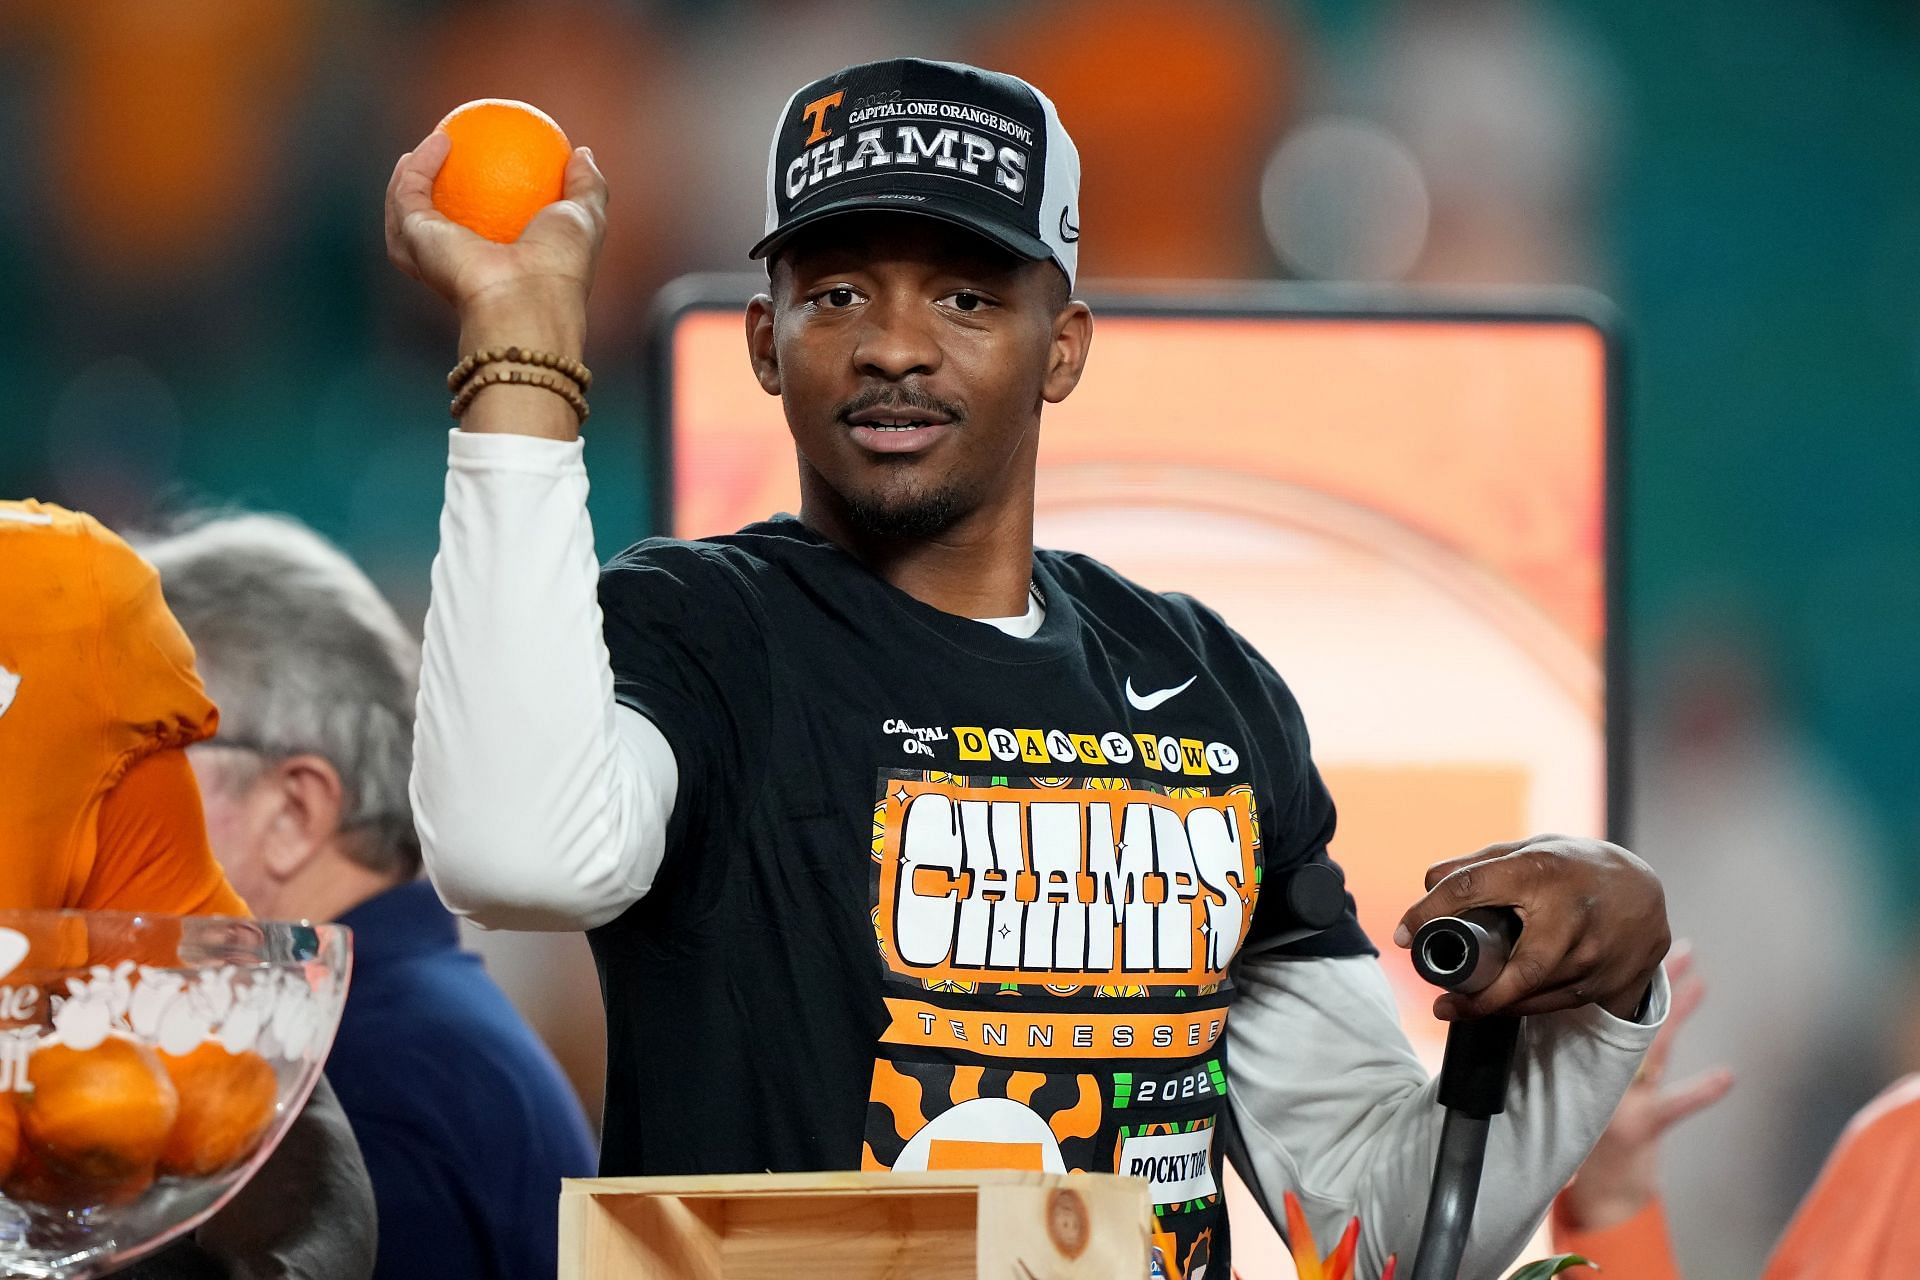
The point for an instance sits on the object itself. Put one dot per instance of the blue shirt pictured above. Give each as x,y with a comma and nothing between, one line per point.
466,1121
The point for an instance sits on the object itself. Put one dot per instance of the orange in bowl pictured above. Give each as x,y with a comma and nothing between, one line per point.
100,1115
508,161
9,1134
36,1181
226,1104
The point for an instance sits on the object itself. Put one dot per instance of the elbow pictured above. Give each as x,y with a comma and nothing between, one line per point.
496,884
503,867
479,871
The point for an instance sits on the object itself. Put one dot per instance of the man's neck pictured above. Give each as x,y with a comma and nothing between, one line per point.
328,886
980,567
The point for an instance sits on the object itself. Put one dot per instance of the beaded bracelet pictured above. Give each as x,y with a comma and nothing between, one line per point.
560,386
520,355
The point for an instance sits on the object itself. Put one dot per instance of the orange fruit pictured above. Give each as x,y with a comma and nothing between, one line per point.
9,1134
98,1115
508,161
36,1181
226,1104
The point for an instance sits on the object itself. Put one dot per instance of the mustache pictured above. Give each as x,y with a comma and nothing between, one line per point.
899,396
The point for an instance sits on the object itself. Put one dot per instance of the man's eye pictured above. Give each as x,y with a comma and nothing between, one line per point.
837,297
966,300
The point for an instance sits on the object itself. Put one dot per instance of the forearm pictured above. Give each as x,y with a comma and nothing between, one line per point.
535,316
1332,1103
540,803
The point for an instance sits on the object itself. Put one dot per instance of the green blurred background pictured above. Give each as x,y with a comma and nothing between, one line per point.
195,308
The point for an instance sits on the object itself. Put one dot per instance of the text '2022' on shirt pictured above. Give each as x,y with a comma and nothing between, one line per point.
937,897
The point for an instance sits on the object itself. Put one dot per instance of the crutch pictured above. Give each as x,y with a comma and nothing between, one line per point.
1463,954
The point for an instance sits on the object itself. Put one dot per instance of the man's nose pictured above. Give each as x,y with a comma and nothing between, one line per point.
896,340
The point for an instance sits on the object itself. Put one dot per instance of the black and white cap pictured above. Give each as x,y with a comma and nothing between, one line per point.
980,149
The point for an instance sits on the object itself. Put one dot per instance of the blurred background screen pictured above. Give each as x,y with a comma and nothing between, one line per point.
1406,512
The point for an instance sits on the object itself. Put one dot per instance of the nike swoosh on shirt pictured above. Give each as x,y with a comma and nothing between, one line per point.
1148,701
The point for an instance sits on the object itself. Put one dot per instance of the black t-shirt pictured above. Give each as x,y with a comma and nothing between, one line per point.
939,897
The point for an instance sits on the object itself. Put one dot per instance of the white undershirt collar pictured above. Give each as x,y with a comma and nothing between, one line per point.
1026,625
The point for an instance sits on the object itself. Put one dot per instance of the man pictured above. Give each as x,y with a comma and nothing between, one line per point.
98,810
465,1120
902,844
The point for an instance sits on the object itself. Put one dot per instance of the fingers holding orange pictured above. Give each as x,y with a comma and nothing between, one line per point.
496,208
585,182
577,222
410,200
226,1104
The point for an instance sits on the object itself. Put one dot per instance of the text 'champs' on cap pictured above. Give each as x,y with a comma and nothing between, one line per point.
979,149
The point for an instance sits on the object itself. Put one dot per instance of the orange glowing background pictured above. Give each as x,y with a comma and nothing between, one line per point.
1407,516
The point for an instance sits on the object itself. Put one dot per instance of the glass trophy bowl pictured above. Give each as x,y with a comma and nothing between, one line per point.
148,1066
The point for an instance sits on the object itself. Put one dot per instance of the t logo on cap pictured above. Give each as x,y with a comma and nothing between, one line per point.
816,111
980,149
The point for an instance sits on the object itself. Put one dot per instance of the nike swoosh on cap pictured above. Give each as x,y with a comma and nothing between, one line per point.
1148,701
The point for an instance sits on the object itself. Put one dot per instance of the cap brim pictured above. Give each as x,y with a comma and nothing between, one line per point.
1014,241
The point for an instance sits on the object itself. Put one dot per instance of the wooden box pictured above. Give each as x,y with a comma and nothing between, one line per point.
856,1226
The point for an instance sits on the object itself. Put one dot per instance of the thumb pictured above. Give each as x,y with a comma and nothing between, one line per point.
584,181
432,153
409,202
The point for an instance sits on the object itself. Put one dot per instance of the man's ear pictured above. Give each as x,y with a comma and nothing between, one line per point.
766,365
1072,338
309,804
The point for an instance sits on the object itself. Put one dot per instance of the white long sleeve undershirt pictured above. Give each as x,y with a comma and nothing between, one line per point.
542,803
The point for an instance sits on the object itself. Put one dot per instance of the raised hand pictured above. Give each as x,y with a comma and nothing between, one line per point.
556,252
531,293
1622,1174
1594,924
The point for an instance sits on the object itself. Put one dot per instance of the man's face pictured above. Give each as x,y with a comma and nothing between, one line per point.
912,358
239,811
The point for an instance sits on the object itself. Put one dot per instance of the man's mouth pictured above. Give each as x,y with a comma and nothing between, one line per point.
897,428
883,418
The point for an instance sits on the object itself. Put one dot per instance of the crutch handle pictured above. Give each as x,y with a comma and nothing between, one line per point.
1464,953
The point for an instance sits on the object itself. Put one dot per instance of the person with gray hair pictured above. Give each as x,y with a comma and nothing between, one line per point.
314,675
465,1120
